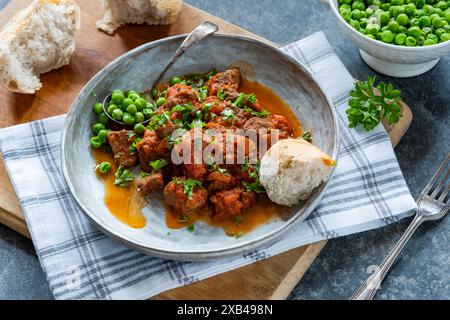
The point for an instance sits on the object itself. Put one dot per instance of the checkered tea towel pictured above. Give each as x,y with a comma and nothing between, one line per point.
367,191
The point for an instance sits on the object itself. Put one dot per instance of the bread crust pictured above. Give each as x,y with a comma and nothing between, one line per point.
36,40
152,12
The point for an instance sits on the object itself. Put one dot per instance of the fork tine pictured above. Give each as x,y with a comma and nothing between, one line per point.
436,176
441,185
444,194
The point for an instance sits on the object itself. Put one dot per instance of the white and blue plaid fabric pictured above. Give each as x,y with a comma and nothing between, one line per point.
367,191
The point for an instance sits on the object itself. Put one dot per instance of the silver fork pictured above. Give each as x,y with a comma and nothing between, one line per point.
433,204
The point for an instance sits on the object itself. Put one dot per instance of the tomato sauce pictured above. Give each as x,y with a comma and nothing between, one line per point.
126,204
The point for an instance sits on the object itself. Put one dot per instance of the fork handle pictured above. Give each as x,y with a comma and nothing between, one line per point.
370,287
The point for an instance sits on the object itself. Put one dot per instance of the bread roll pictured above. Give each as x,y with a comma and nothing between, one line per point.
291,169
36,40
120,12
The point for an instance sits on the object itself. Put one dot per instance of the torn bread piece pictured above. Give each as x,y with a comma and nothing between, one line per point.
36,40
120,12
292,169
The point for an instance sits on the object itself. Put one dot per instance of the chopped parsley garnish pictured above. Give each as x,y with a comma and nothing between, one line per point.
228,114
243,98
307,136
132,148
159,120
222,95
253,173
188,185
144,174
197,123
158,164
191,228
367,107
123,177
215,167
260,114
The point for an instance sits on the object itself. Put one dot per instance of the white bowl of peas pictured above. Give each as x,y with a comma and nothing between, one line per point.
398,38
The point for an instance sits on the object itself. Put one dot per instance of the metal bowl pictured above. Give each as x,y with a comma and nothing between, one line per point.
136,69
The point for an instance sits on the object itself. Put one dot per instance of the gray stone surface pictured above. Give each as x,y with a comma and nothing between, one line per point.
423,270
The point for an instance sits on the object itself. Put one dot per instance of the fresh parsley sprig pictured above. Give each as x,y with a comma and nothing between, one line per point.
367,107
123,177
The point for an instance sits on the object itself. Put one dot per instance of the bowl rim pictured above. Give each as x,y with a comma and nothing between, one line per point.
199,255
381,43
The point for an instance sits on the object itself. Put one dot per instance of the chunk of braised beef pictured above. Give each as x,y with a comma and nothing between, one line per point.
179,94
195,171
229,203
153,182
150,148
228,82
219,181
120,142
175,196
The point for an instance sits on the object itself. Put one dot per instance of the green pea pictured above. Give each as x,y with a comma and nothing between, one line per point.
150,105
396,2
134,96
409,9
420,40
139,128
376,3
131,109
378,36
394,11
387,36
96,128
118,97
358,5
427,30
384,18
418,13
128,118
355,24
140,104
103,118
439,32
447,15
424,21
160,101
175,80
103,135
402,29
95,142
104,167
402,19
428,42
385,6
130,92
413,22
117,115
371,36
356,14
393,26
439,12
163,93
147,113
111,108
445,37
437,22
420,3
400,39
442,5
97,108
414,32
126,102
410,41
139,117
433,37
447,28
428,9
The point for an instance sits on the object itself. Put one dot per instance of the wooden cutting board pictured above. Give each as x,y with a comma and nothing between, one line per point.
273,278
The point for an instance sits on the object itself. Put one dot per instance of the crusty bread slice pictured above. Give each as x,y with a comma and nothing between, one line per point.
120,12
36,40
